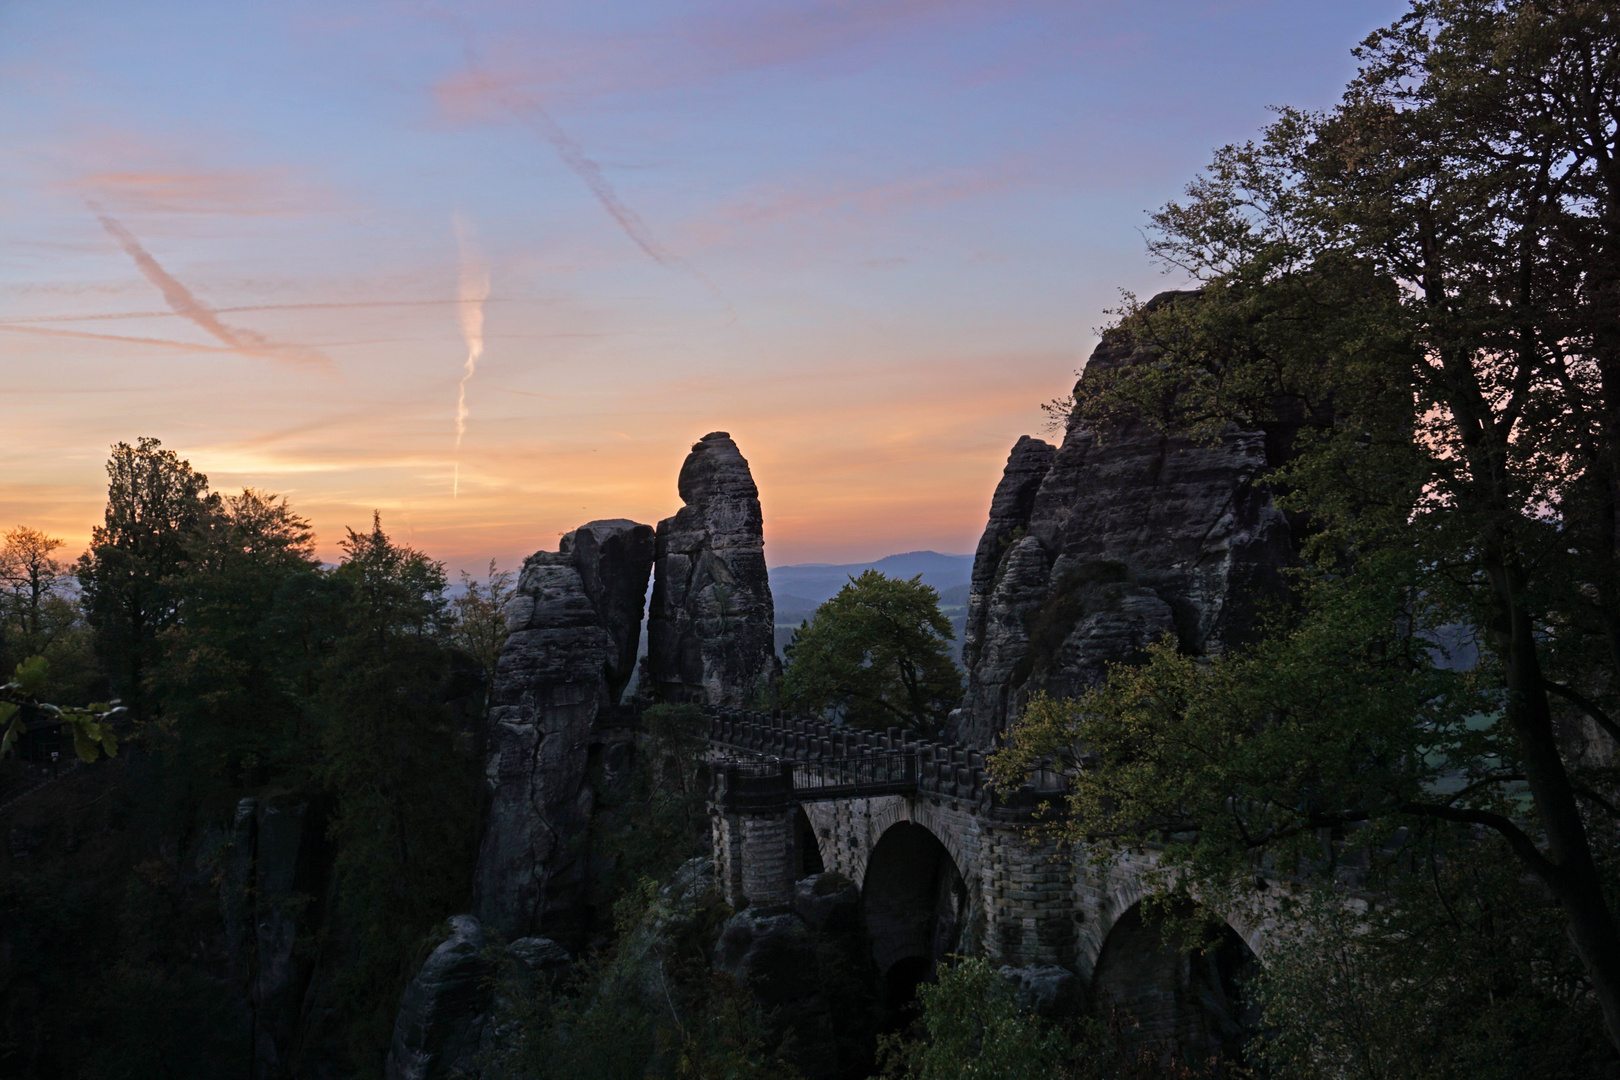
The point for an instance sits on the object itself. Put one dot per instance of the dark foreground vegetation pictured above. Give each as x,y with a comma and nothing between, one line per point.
246,668
1412,774
1420,289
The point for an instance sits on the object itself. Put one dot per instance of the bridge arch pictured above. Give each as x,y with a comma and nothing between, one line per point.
1135,886
916,904
807,855
1195,999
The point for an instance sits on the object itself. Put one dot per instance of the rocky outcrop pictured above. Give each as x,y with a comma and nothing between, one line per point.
1010,506
1099,548
1045,989
573,624
271,870
441,1017
774,956
711,632
828,902
614,559
456,1017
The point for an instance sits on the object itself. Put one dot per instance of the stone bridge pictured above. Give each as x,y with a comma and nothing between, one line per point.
947,866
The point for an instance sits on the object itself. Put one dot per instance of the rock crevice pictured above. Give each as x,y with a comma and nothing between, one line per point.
573,628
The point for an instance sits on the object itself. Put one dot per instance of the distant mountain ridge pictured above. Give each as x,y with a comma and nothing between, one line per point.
806,586
796,591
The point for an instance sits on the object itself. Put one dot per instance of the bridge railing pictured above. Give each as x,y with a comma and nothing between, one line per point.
893,759
772,784
880,772
753,785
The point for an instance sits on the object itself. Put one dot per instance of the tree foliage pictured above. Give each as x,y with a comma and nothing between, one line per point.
975,1028
972,1025
40,616
91,725
479,617
876,655
260,672
157,507
1418,288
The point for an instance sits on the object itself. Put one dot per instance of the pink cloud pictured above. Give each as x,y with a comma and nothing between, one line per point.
167,192
691,50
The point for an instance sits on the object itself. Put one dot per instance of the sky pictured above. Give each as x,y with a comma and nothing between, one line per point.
490,268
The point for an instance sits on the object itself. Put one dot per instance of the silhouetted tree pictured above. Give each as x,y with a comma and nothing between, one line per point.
157,509
876,655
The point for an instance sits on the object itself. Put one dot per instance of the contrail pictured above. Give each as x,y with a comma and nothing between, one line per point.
471,293
325,305
590,172
183,303
586,168
44,331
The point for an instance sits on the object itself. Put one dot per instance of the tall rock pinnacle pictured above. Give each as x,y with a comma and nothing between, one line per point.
710,631
574,622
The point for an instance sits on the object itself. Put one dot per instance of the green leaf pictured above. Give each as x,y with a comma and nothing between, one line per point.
30,675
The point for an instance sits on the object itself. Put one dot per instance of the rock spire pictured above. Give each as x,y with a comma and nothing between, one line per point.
574,624
710,631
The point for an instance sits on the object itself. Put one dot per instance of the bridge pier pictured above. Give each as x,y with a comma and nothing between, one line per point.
1028,899
755,857
752,828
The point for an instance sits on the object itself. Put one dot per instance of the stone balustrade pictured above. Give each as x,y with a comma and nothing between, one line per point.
829,756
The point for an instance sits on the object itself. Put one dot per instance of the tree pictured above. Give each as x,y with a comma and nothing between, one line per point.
40,616
876,655
220,674
976,1027
406,816
31,575
478,626
156,507
1423,283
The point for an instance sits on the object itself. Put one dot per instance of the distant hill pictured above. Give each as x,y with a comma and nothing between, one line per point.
798,590
819,582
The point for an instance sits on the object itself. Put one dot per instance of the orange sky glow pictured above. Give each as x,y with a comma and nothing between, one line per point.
492,274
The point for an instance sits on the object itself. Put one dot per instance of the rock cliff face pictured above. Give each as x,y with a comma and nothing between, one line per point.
441,1016
271,862
710,632
1100,547
574,624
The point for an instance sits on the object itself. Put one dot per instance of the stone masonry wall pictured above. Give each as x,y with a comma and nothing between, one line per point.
755,857
1023,895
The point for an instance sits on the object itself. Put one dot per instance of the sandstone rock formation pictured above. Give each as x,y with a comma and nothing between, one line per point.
1095,550
574,623
710,631
441,1017
456,1019
1045,989
269,864
774,956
